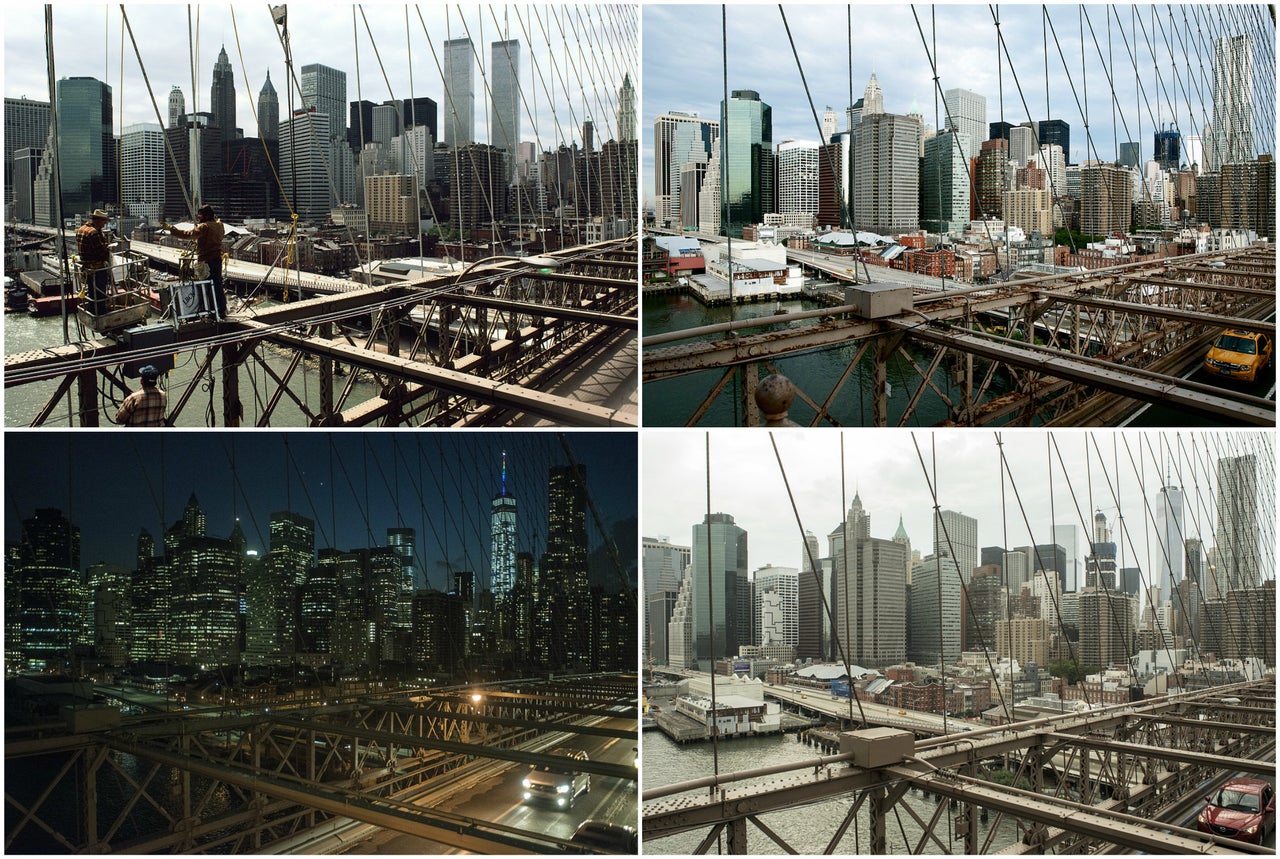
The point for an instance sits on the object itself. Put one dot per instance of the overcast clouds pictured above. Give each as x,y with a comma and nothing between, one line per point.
683,71
884,469
88,42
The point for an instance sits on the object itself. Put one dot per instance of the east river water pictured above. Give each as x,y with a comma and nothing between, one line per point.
672,401
809,829
24,333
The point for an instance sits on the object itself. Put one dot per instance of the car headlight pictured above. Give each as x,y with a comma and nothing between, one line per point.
527,795
1252,830
524,783
562,788
560,801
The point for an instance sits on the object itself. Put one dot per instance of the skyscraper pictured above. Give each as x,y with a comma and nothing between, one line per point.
1236,535
678,139
777,607
1106,203
830,124
872,98
206,576
1170,534
222,96
720,603
563,592
935,613
48,581
304,142
626,110
505,107
325,89
268,111
886,173
747,192
1068,537
870,602
1232,137
1056,131
797,178
26,126
142,160
955,536
663,566
502,532
177,106
86,145
944,191
459,93
967,113
402,541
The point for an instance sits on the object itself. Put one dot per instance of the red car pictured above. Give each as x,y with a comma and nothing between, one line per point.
1243,809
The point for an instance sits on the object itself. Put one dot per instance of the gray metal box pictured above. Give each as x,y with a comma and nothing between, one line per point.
878,747
878,300
149,337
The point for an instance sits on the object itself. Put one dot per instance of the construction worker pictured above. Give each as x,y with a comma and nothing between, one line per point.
146,406
208,234
95,260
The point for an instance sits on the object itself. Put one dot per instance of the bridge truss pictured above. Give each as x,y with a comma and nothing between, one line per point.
1074,350
1085,783
508,342
217,782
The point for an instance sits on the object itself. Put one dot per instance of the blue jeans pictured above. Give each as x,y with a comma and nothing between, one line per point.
97,281
215,274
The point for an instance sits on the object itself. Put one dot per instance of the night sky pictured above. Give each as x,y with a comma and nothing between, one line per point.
354,485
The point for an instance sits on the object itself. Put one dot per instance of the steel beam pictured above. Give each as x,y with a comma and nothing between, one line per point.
465,833
1160,312
1127,381
502,394
1148,751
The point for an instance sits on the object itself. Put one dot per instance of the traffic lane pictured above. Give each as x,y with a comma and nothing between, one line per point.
1189,820
500,799
614,800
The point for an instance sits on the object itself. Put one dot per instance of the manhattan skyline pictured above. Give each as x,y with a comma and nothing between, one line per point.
884,471
441,487
88,41
887,43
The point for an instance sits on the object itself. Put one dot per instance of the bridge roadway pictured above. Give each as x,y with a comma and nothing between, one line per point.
916,721
252,272
309,776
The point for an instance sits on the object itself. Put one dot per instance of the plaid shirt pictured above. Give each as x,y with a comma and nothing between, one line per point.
143,408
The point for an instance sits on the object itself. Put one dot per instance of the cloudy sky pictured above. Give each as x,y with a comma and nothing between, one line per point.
884,470
592,47
683,65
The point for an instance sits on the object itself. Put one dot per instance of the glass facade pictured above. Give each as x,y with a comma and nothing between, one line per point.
747,187
86,145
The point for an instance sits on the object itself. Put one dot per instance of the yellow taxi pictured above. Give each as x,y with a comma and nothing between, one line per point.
1238,354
